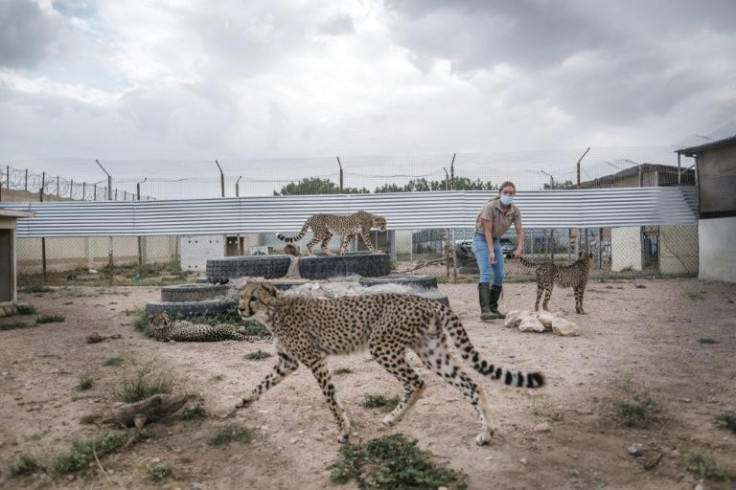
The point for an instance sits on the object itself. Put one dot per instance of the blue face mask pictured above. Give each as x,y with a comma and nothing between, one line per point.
507,200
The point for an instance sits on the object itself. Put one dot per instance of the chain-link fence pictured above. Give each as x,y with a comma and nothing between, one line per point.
631,250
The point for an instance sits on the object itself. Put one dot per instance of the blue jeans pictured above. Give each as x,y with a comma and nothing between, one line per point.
480,249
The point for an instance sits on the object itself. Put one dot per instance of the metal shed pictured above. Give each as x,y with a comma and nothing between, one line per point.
8,273
715,163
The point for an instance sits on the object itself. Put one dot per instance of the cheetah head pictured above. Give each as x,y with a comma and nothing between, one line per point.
586,257
255,300
159,318
378,222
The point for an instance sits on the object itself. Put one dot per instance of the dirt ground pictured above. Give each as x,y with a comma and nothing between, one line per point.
675,339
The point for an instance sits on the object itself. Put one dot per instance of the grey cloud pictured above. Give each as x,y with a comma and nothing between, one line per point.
25,33
479,34
342,24
631,70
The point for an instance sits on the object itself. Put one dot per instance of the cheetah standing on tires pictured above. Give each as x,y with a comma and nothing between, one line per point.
324,226
308,330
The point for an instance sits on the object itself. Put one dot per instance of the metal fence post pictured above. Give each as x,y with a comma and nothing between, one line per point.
43,238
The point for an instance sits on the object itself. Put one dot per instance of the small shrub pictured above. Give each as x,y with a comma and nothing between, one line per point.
24,464
727,421
392,462
637,409
113,361
85,383
706,340
25,310
379,401
36,288
14,326
50,319
258,355
140,322
232,433
695,295
83,452
157,471
701,463
217,377
195,412
144,384
341,371
38,436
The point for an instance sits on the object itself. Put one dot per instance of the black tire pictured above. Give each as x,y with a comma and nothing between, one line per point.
192,292
433,294
220,271
422,281
191,309
362,264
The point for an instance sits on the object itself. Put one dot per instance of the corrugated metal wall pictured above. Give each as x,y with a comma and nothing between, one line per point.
404,211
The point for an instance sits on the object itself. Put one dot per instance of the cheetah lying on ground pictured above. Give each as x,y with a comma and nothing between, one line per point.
308,330
162,328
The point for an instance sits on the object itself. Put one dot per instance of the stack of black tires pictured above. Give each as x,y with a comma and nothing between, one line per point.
210,298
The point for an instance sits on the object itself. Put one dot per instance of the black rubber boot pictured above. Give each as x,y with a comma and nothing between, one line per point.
495,294
484,297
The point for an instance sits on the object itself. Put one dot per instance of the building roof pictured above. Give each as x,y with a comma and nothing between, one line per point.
645,168
721,137
14,213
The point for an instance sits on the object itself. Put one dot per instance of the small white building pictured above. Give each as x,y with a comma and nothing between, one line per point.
715,165
8,267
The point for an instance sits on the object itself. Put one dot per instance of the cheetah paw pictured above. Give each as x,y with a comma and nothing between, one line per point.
483,438
244,402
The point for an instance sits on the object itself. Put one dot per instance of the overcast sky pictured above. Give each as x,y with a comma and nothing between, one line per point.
237,79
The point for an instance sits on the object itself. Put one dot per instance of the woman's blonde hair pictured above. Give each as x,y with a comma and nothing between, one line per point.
508,183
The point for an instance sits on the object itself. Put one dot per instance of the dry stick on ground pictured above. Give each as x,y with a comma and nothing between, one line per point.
139,413
421,265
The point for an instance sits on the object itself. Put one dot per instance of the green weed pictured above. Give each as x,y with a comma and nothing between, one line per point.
379,401
50,319
637,408
195,412
392,462
231,433
695,295
257,355
727,421
14,326
23,309
85,383
702,464
145,384
341,371
24,464
35,288
113,361
83,452
157,471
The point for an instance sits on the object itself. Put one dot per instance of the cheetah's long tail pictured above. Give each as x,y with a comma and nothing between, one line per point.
296,237
527,262
467,351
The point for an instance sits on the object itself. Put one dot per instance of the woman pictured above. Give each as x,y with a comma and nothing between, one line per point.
496,216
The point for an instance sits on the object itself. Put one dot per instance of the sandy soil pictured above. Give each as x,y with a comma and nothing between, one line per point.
562,436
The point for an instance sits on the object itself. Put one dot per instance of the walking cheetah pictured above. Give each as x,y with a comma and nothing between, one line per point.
308,330
573,276
324,226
